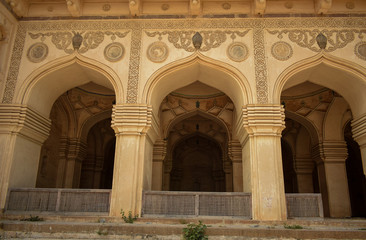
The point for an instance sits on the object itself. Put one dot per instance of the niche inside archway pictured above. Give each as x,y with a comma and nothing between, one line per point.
97,166
197,166
73,116
196,122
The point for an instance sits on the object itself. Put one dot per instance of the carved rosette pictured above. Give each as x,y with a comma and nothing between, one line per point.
37,52
157,52
114,52
237,51
360,50
281,51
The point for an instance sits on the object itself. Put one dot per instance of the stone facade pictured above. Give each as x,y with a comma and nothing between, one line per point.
255,82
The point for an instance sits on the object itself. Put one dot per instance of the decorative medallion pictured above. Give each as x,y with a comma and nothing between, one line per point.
157,52
165,7
106,7
350,5
237,51
289,5
114,52
360,50
226,6
37,52
281,51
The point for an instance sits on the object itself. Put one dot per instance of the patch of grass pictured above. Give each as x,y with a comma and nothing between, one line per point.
32,219
293,226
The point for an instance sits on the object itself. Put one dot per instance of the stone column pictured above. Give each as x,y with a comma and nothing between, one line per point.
304,167
260,136
331,157
76,153
359,134
235,153
158,166
133,124
228,170
99,163
167,169
62,162
22,133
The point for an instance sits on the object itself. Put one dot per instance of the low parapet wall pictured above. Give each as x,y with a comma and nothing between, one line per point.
163,203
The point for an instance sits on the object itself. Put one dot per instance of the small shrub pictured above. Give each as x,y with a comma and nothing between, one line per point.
293,226
129,218
32,219
195,231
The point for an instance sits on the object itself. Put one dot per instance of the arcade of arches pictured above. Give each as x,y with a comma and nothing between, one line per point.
137,106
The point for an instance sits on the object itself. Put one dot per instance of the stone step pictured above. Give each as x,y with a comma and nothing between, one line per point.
104,227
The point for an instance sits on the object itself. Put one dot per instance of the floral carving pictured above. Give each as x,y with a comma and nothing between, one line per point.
211,39
307,38
91,39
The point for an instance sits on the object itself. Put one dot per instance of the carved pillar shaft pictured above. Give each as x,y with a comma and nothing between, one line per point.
158,166
133,157
75,155
22,133
98,171
331,157
166,178
262,159
304,167
235,153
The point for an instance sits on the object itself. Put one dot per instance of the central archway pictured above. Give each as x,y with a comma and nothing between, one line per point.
197,67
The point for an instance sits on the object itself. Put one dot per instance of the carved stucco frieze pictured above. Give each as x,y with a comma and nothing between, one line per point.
134,67
14,65
260,66
336,38
90,39
136,27
211,39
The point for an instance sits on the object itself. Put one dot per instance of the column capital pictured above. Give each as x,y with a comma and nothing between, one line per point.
22,120
330,152
132,119
359,129
261,120
235,151
304,164
159,151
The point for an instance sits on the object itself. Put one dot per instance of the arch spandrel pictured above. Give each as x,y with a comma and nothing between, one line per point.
197,67
346,78
44,85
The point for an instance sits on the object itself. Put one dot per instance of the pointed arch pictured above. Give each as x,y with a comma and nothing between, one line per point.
309,126
91,121
44,85
329,71
197,67
200,113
